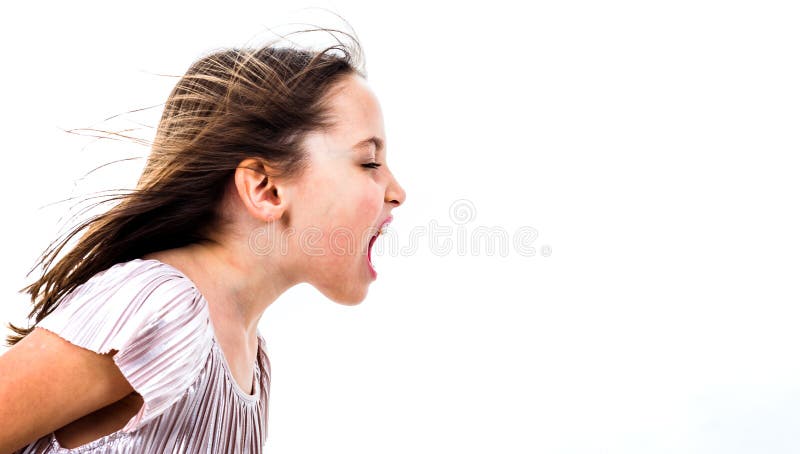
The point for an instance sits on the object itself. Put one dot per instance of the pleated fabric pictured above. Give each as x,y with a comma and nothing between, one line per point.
158,322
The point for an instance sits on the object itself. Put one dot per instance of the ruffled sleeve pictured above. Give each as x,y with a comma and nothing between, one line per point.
155,319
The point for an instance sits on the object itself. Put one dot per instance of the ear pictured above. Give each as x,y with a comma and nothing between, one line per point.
258,190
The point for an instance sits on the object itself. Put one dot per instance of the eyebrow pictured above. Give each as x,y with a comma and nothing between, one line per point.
374,139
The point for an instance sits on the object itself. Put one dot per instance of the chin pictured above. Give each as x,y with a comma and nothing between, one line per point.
345,296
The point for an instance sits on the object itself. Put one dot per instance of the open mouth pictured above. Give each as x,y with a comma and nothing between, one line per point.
369,251
372,240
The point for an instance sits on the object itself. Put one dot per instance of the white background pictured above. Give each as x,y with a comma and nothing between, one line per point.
652,145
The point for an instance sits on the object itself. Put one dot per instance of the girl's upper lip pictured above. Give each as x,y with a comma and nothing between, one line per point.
383,224
386,222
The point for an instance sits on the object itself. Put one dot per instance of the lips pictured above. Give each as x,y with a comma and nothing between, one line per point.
384,224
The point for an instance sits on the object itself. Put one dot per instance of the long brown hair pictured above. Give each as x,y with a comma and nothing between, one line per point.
231,105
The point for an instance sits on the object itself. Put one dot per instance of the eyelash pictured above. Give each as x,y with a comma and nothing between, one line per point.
371,165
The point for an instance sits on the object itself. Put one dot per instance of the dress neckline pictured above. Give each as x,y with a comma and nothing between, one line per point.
217,347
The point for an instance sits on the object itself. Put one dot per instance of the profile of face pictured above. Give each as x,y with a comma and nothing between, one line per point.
343,197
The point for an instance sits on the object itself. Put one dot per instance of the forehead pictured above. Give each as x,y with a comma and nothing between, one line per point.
356,112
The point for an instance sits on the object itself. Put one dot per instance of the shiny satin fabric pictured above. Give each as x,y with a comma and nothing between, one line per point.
158,322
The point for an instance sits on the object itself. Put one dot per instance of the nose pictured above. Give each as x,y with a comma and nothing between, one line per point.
395,194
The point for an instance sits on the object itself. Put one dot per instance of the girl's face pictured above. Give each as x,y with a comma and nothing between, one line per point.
342,198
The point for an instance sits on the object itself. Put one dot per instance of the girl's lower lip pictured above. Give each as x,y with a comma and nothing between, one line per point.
372,270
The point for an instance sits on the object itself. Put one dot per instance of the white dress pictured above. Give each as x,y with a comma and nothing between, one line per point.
157,320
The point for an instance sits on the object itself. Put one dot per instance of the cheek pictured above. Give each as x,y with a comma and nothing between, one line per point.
348,223
369,205
342,207
319,203
357,203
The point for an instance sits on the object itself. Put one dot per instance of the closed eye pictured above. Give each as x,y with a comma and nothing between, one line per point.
371,165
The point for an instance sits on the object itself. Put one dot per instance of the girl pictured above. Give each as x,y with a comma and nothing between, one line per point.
268,169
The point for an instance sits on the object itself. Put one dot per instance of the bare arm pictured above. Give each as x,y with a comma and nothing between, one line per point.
47,382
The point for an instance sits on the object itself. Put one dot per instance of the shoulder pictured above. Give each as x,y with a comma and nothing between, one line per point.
132,284
124,302
155,320
140,280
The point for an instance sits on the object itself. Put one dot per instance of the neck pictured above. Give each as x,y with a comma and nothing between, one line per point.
238,285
